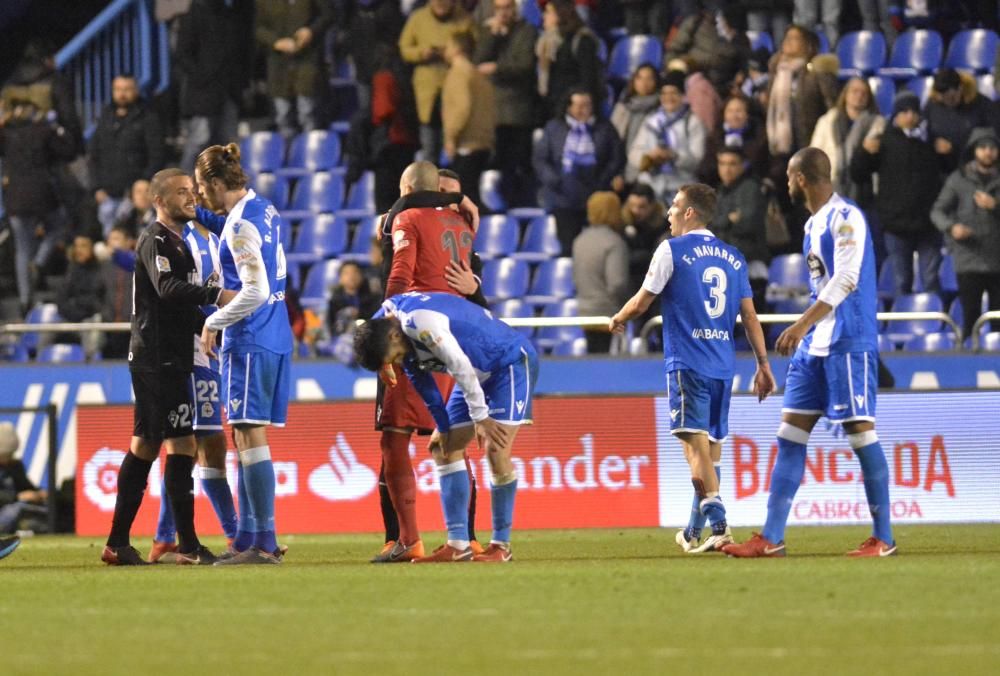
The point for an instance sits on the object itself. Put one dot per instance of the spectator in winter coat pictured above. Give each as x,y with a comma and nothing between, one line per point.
392,134
645,226
372,24
954,109
968,212
739,129
715,44
569,57
640,98
19,497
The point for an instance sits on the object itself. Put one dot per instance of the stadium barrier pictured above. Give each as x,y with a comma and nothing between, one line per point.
596,461
983,318
26,418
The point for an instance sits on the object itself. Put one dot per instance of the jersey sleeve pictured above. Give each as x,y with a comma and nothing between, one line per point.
661,268
433,331
849,232
244,242
156,255
405,238
211,220
428,390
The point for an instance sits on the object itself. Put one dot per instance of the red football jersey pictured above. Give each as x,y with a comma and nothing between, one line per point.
424,241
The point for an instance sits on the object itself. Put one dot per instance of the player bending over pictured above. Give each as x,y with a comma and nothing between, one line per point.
494,368
703,284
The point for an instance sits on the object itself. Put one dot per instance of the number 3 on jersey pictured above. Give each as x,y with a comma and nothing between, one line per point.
716,280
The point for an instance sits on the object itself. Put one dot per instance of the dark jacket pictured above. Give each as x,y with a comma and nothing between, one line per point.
35,78
380,22
956,204
698,39
83,292
741,218
576,66
570,191
117,289
214,54
344,308
30,150
13,480
909,179
514,81
125,149
955,124
292,74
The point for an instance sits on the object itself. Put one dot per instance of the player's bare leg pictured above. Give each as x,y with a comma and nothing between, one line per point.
448,451
697,450
689,537
498,445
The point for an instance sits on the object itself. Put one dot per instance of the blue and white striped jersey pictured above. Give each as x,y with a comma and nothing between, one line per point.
204,247
253,263
838,249
702,281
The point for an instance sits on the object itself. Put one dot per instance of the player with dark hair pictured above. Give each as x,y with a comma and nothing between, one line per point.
834,370
703,285
165,315
256,342
495,369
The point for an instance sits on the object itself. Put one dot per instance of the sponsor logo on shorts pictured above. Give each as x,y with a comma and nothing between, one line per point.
520,405
234,404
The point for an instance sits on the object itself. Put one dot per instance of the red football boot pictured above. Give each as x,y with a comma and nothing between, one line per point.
873,547
447,554
755,548
494,553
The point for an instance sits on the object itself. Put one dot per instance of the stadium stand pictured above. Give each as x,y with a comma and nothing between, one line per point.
540,241
861,53
318,237
496,237
262,151
915,52
973,50
504,278
317,150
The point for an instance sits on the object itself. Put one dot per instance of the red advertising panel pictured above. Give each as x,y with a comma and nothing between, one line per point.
576,468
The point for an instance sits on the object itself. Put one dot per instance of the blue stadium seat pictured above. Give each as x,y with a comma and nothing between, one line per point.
540,241
514,307
884,90
761,39
61,353
361,241
947,277
531,12
497,236
884,344
973,50
576,347
987,86
322,192
991,342
930,342
489,191
915,52
262,151
526,213
320,279
272,187
361,198
312,151
900,331
631,52
322,236
824,42
788,275
861,53
553,281
504,278
921,86
886,286
548,338
47,313
15,352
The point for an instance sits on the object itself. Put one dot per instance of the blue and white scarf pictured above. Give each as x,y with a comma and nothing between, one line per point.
662,125
734,137
918,132
579,149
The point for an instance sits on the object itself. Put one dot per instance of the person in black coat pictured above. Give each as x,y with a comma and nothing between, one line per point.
215,48
127,145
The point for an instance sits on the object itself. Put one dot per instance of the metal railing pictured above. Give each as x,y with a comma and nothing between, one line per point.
123,38
983,318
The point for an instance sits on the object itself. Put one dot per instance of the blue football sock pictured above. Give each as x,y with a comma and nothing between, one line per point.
247,524
258,472
786,477
166,531
502,498
716,512
455,491
696,522
876,475
213,482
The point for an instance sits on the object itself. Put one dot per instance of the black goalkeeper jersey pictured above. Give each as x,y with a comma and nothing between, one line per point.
166,302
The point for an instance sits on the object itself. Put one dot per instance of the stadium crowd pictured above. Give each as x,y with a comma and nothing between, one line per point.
527,103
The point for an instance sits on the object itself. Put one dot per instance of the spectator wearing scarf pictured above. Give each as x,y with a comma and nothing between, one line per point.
739,129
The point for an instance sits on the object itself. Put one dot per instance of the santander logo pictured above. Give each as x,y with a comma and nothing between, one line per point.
343,477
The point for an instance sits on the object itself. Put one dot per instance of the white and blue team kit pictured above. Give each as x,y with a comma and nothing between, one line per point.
701,281
257,338
206,378
835,369
494,366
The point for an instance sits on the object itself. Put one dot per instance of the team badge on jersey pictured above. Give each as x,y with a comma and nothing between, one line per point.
399,240
162,264
816,267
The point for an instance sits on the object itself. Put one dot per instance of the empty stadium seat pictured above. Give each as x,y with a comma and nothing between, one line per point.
947,277
531,12
361,241
46,313
886,286
312,151
489,191
319,237
272,187
526,213
361,198
497,236
788,275
320,279
504,278
991,342
553,281
575,347
861,53
322,192
761,39
973,50
884,90
631,52
59,353
915,52
884,344
514,308
824,42
930,342
921,86
15,352
262,151
548,337
915,302
540,241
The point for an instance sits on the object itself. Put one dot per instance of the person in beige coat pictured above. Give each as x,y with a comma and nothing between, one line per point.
422,44
468,114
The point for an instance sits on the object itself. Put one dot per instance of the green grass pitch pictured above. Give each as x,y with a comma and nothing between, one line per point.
573,602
